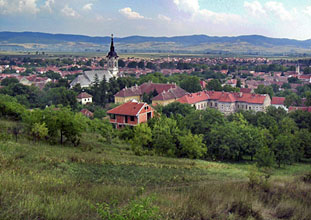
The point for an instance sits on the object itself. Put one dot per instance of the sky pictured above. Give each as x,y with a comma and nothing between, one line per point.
272,18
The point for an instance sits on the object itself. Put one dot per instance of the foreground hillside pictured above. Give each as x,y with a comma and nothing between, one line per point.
40,181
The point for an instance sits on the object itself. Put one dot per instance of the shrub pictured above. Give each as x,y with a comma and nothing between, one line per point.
307,178
137,209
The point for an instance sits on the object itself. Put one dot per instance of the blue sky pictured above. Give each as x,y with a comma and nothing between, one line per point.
273,18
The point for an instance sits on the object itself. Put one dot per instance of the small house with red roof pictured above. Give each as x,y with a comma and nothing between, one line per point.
278,102
130,113
87,113
84,98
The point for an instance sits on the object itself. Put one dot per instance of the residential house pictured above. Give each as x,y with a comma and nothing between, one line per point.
87,113
164,96
130,113
278,102
84,98
169,96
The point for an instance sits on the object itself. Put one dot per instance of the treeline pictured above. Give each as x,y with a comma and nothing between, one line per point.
271,137
54,124
178,130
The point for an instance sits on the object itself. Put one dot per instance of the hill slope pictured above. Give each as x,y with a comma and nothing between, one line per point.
40,181
251,44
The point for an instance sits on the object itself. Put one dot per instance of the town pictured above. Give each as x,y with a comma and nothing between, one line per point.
229,84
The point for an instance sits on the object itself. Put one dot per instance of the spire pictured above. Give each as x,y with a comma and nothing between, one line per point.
111,46
112,53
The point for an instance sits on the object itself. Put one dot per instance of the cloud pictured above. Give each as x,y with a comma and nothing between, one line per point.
127,12
101,18
69,12
277,8
87,7
255,8
223,18
204,15
187,5
307,11
28,6
48,5
164,18
20,6
3,3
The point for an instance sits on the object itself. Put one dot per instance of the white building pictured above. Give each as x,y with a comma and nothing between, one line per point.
84,98
89,77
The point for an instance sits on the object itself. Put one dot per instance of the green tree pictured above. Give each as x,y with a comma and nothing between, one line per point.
238,83
292,100
214,85
191,146
265,157
175,108
8,81
164,136
142,139
121,63
282,149
191,84
39,131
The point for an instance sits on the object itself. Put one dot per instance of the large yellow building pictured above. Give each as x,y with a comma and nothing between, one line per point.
163,93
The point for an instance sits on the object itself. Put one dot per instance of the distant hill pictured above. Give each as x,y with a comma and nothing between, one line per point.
249,44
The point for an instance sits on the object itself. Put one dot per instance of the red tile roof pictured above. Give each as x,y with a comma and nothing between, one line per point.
194,98
173,93
294,108
226,97
277,100
145,88
131,108
87,113
84,95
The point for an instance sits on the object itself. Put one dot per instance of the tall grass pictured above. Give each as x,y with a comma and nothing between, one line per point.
40,181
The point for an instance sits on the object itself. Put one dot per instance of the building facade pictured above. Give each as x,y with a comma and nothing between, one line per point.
84,98
227,102
131,113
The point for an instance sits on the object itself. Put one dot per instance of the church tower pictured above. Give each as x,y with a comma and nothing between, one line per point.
113,60
298,69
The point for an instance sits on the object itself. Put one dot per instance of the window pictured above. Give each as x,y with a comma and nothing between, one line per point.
132,118
215,104
113,116
250,108
126,119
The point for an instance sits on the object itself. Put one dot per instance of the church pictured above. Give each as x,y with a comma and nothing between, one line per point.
88,77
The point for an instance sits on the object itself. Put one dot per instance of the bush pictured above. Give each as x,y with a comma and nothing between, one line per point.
137,209
307,178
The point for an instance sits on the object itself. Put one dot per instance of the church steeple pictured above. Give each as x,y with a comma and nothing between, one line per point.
112,53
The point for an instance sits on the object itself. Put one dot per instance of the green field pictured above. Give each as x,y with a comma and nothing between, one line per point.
42,181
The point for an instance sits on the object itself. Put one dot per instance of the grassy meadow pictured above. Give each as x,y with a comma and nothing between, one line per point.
42,181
